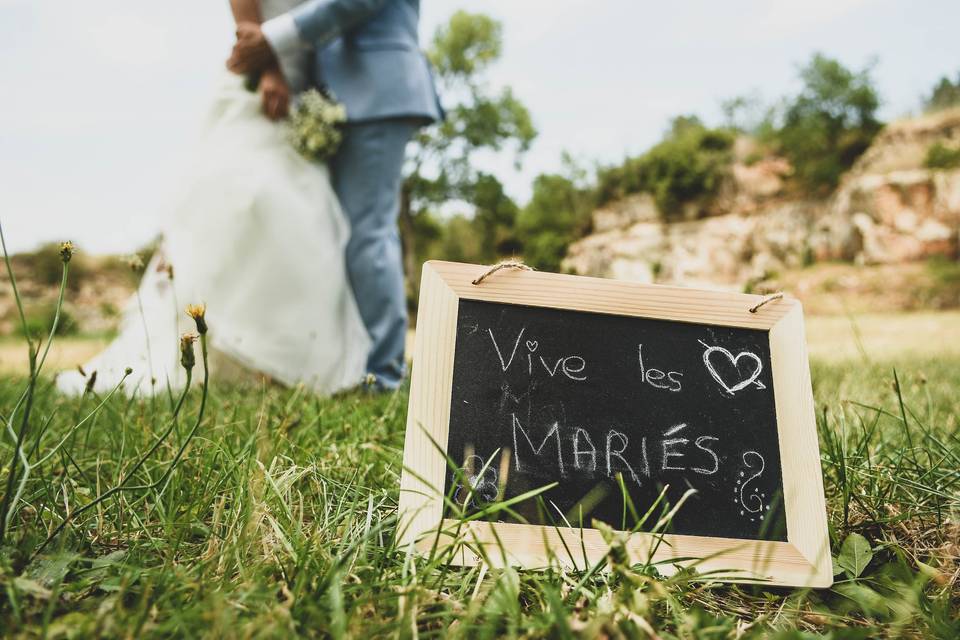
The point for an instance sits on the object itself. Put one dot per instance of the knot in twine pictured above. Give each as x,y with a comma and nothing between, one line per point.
770,298
506,264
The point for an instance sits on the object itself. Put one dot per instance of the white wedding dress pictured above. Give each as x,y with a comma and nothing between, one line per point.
258,235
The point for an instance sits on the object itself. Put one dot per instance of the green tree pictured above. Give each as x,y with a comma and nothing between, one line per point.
689,164
744,113
442,167
829,123
557,214
494,219
945,94
483,236
458,241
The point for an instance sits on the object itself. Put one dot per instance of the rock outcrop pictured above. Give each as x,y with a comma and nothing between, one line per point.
722,250
888,209
883,218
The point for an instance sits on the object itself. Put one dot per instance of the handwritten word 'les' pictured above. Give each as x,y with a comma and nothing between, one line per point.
675,451
572,366
657,378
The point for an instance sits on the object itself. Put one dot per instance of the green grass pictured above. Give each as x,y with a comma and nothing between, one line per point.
235,511
279,521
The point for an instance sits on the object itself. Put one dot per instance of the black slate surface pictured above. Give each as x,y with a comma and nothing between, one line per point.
576,398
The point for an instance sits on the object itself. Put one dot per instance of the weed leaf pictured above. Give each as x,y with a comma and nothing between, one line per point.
837,567
855,555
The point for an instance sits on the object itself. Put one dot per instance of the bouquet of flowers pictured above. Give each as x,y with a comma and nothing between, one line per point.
314,125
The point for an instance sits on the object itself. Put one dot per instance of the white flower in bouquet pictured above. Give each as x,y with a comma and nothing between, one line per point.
314,125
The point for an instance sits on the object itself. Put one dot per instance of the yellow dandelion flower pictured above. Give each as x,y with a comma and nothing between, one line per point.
198,312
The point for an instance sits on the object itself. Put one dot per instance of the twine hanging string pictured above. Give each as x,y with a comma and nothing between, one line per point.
770,298
506,264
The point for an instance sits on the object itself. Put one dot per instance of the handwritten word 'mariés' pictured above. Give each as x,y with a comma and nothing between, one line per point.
676,451
571,366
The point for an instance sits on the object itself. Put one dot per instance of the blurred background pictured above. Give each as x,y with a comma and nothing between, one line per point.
753,146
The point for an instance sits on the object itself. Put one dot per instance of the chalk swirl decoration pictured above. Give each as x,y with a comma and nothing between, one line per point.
749,497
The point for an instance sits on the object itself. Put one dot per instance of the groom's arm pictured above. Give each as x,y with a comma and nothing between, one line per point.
316,22
274,92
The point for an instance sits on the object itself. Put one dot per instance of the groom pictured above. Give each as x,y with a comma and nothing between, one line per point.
367,55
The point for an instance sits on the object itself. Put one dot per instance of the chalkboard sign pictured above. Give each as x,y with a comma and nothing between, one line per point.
599,399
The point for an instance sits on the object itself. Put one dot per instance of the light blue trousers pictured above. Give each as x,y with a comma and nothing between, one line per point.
366,175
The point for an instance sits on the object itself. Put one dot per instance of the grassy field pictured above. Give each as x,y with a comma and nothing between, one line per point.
888,337
278,519
252,511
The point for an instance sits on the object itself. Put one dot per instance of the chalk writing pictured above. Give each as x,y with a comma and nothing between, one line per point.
481,483
505,364
554,431
578,452
716,461
654,377
598,405
571,366
618,453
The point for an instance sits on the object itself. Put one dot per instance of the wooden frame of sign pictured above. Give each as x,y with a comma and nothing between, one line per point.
803,560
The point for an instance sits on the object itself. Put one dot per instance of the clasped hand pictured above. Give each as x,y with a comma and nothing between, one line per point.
251,54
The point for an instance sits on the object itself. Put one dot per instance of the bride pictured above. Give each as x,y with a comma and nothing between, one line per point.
257,234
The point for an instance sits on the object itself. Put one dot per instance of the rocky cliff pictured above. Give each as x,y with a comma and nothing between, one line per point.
888,209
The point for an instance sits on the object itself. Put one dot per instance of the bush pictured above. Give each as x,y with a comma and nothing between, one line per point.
944,95
689,164
940,156
40,319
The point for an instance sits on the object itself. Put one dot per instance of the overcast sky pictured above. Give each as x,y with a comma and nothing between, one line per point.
100,99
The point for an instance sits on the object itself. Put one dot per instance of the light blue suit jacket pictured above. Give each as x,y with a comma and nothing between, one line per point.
368,55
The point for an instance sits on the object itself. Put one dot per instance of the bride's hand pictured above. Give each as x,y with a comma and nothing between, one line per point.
274,94
251,52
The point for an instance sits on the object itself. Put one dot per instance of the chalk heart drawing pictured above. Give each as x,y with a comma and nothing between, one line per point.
749,371
532,345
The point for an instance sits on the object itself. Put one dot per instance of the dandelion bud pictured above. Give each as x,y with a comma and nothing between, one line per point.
66,251
198,313
617,555
187,357
91,382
